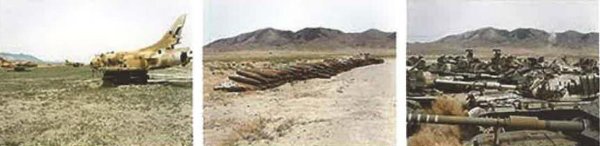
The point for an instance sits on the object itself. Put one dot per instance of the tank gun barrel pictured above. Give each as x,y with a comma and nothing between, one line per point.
471,75
513,122
489,85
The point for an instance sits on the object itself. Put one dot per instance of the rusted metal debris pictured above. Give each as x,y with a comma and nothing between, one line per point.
260,79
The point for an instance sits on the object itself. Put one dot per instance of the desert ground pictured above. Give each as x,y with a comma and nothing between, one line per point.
353,108
63,105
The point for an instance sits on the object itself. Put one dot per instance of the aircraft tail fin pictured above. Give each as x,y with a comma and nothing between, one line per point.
172,37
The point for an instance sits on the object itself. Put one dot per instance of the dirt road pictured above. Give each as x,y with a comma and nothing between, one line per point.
352,108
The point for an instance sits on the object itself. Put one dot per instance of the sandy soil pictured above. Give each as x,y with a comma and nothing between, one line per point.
353,108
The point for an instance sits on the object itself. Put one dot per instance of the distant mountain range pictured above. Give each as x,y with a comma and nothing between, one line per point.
20,57
311,38
522,37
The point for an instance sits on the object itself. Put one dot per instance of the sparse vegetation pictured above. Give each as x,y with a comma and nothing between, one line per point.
67,106
258,129
438,135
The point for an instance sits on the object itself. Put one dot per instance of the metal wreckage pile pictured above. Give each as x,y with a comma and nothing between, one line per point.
265,78
509,100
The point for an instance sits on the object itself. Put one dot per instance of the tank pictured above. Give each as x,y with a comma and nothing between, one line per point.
522,100
518,100
421,83
584,87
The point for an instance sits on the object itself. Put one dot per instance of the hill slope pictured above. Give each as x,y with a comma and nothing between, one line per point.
20,57
522,37
307,38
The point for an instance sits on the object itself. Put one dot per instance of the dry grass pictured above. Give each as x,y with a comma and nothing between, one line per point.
66,106
447,106
436,135
440,135
259,129
250,131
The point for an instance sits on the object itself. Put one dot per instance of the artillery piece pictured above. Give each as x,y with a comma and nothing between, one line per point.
260,79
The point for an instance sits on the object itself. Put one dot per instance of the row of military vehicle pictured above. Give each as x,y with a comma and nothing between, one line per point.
550,103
